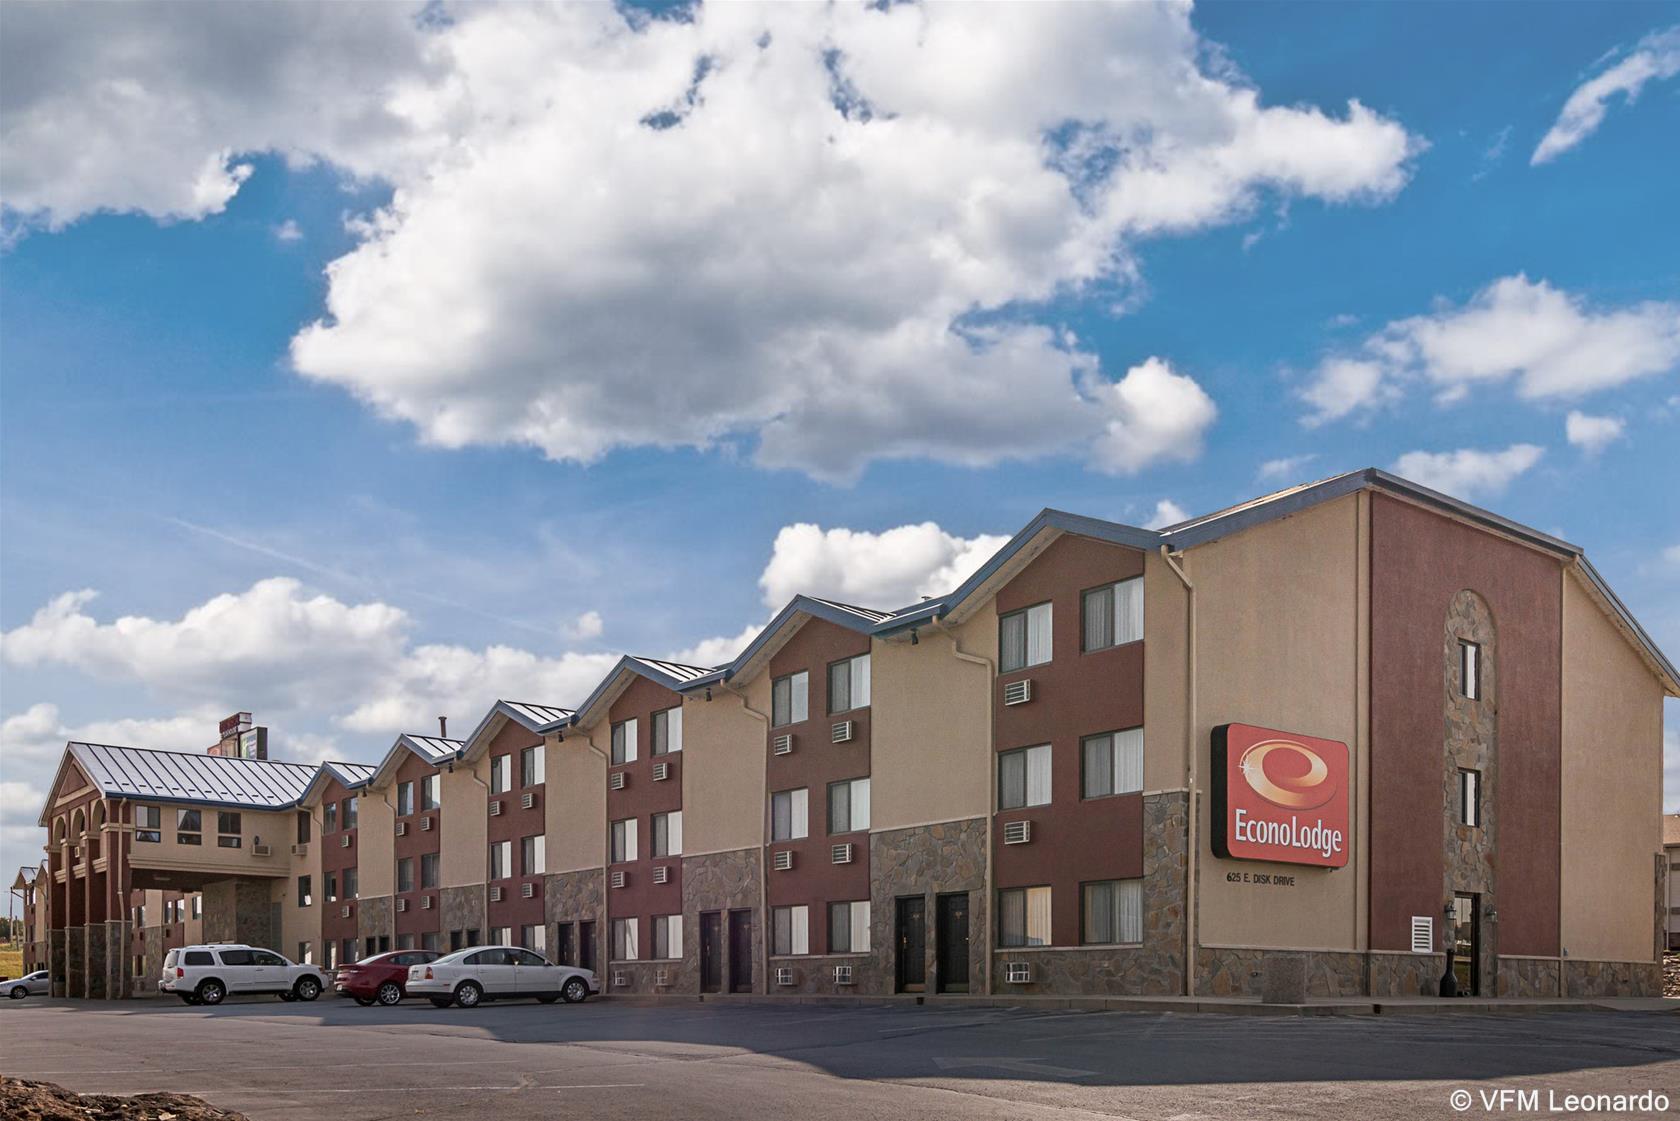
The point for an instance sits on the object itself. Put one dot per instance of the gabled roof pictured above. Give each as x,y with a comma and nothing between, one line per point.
175,776
675,676
863,620
432,750
25,878
351,776
536,718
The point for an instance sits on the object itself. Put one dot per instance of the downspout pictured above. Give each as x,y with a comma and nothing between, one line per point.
991,804
385,796
472,773
763,924
1193,837
606,855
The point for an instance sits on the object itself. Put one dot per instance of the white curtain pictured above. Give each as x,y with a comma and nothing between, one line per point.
1130,910
1038,634
630,839
1038,775
860,927
860,804
1128,610
1038,916
860,682
630,940
799,804
801,917
673,936
1128,761
801,686
673,833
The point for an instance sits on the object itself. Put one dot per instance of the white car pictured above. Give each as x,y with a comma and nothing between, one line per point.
33,984
208,974
471,976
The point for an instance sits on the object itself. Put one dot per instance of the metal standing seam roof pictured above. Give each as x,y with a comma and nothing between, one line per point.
351,775
675,676
538,717
173,776
433,749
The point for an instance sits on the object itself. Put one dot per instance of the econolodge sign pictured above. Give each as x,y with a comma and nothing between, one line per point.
1279,796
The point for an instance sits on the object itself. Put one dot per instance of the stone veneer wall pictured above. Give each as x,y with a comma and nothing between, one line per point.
1527,977
926,860
152,953
376,918
98,967
58,956
1585,979
720,881
1406,974
1155,966
1472,743
575,897
239,910
463,909
1226,971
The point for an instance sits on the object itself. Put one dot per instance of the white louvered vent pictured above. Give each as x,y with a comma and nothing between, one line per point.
784,976
496,893
402,828
425,903
841,732
842,975
527,891
621,979
661,772
1017,832
661,978
402,905
840,854
619,879
1423,934
1017,972
782,861
300,850
496,807
527,800
617,781
1018,692
662,875
344,841
344,911
425,825
261,850
782,744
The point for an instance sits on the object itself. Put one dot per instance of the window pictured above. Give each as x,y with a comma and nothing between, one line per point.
189,827
788,810
667,834
1112,763
429,793
624,840
531,766
405,874
848,806
198,906
667,937
431,941
848,684
501,859
227,830
405,799
1470,798
1024,638
790,930
532,856
1024,916
667,731
267,957
1470,670
624,742
242,957
533,936
148,823
790,699
405,942
331,885
200,957
306,951
848,928
329,818
428,869
306,892
1112,911
1112,615
499,770
624,939
349,813
303,827
1024,777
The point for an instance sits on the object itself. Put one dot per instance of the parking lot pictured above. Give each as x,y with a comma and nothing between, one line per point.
618,1060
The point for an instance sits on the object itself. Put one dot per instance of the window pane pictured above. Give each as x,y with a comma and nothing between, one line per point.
801,929
840,807
1038,775
660,733
860,681
781,815
429,870
860,804
673,729
1098,767
801,696
1012,642
1012,917
1098,622
1038,916
839,928
781,930
1038,634
1128,761
1012,780
800,804
840,686
781,701
673,829
860,927
1128,610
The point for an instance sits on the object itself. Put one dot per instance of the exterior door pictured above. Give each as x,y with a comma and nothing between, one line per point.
740,952
563,944
910,931
711,952
586,946
1467,945
951,950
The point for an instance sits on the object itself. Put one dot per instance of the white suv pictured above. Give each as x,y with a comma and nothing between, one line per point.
207,974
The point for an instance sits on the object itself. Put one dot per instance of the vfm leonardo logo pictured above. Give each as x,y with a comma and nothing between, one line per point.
1279,796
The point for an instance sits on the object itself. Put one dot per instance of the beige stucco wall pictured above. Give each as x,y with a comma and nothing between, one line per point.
1165,672
301,924
1280,643
1612,787
464,825
575,810
930,726
376,838
277,831
723,774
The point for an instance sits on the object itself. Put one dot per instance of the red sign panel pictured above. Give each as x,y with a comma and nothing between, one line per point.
1279,796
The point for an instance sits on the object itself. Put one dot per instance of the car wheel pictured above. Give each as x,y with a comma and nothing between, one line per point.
549,998
287,997
389,993
364,1001
187,998
307,988
468,994
19,992
575,991
441,1001
211,992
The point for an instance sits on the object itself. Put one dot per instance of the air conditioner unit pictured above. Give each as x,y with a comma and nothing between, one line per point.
527,891
619,879
617,781
621,979
662,875
425,903
402,905
261,850
1018,692
344,911
840,854
842,975
661,978
841,732
496,808
527,800
1423,934
1017,832
1017,973
782,744
782,861
402,828
495,893
661,772
784,976
425,825
344,841
300,850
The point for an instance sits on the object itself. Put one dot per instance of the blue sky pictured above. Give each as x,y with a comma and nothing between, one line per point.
569,389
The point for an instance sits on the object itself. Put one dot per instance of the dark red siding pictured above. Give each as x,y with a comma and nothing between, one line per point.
514,824
641,798
415,842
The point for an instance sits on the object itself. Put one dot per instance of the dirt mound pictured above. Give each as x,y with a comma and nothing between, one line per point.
42,1101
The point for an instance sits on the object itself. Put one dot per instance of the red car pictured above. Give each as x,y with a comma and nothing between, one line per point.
382,978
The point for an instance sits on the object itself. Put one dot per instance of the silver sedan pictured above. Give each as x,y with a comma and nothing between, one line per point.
35,984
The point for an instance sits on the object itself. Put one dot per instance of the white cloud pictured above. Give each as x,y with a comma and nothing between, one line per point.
1656,58
462,683
885,570
586,626
1550,342
1287,467
1468,472
1155,415
288,230
826,229
717,650
1167,512
1592,434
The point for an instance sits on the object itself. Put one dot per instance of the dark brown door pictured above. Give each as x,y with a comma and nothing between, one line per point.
711,952
911,939
586,946
563,948
951,967
740,952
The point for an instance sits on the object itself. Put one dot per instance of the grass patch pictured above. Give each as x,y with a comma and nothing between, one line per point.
11,961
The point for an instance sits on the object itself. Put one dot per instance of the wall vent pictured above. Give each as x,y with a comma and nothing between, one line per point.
662,875
782,861
527,891
784,975
496,807
402,905
661,978
344,911
300,850
842,975
1423,934
841,854
425,903
782,744
1018,692
621,979
261,850
841,732
527,800
402,828
425,825
620,879
661,772
1017,973
1017,832
617,781
344,841
496,893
